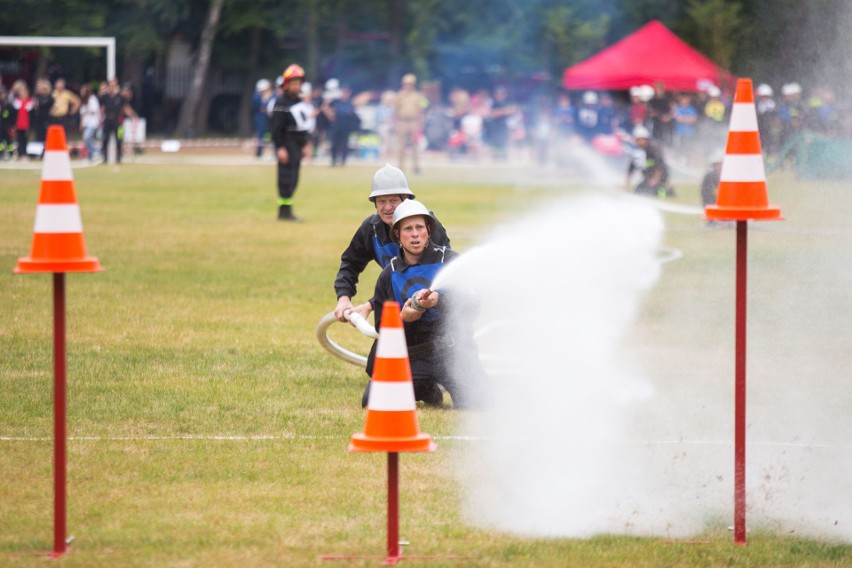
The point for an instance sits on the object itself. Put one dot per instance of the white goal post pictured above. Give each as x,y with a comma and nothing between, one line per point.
58,41
41,41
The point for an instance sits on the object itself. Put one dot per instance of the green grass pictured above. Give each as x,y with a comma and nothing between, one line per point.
202,326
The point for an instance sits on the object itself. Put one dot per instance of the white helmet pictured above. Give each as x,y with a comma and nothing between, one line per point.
646,93
764,90
791,89
332,90
262,85
590,98
635,91
412,208
389,181
641,132
714,91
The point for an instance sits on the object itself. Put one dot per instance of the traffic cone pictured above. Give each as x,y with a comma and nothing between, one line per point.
58,244
391,424
742,183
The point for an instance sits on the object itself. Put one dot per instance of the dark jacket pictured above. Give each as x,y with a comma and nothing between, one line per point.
362,250
420,331
649,160
283,125
441,349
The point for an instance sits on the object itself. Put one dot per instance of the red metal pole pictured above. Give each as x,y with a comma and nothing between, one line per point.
740,388
60,544
394,553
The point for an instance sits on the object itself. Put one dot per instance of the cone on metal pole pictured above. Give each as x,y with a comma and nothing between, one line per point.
742,185
58,247
391,424
58,244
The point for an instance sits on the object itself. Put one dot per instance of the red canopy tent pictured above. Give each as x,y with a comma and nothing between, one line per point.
651,54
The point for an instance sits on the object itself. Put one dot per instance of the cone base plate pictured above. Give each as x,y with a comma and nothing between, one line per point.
362,443
31,266
716,213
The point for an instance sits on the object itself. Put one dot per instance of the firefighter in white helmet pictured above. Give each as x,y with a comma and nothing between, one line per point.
647,159
437,353
373,239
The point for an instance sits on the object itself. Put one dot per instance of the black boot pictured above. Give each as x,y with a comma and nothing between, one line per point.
366,397
285,213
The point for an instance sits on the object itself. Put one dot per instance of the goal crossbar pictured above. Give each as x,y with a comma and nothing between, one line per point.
39,41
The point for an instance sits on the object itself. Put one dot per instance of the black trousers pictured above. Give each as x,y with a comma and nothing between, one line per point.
288,176
110,129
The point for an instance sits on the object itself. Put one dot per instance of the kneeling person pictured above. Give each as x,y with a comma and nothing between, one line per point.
647,158
374,240
434,350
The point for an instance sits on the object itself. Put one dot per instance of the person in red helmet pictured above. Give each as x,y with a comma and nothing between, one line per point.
290,134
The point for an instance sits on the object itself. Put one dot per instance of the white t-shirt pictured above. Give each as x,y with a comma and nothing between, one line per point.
90,113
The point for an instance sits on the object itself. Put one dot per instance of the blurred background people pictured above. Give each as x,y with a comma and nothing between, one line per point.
259,115
90,120
409,113
66,105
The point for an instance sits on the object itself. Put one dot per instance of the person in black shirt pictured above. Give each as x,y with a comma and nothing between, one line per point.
647,158
114,107
289,128
439,353
373,239
40,117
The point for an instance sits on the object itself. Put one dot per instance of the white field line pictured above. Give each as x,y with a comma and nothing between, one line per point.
215,438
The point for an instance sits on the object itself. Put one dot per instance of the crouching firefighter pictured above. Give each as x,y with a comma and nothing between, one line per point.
647,158
373,239
440,351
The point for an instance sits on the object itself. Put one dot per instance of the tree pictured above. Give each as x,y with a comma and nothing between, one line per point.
718,26
566,39
188,121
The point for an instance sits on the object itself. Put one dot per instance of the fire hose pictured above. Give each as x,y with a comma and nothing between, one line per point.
335,348
364,327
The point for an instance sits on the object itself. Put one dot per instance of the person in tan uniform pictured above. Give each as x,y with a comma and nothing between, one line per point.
66,105
409,111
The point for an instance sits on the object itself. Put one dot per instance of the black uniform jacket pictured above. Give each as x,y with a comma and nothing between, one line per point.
361,251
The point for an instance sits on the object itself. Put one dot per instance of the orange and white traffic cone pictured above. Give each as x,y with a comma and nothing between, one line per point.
742,197
742,184
391,424
58,247
58,244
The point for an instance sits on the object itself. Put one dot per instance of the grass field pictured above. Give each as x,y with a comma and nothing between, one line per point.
208,428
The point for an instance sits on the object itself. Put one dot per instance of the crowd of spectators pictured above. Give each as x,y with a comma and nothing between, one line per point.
496,124
93,117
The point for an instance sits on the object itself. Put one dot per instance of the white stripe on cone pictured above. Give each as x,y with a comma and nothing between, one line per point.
742,167
743,118
387,395
58,219
391,343
57,166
